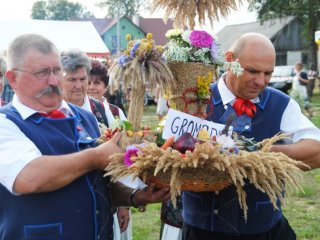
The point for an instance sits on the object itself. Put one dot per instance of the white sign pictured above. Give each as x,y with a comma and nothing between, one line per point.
317,35
179,122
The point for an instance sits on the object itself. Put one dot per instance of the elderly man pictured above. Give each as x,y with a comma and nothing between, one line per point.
52,184
217,215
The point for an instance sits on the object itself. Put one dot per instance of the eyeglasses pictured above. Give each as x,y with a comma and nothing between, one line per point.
44,74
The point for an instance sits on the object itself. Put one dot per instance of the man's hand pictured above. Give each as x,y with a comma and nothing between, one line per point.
106,150
123,218
150,194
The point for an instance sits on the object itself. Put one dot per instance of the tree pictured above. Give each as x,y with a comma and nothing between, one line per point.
307,10
123,7
58,10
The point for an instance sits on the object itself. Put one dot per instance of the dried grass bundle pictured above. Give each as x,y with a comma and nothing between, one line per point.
184,12
135,74
270,172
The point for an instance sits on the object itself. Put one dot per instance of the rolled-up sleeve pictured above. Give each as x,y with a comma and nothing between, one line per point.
298,125
16,151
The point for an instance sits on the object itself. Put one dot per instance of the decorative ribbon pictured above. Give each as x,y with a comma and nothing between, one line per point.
242,106
54,114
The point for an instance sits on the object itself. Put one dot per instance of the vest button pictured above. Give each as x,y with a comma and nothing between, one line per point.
225,107
98,237
217,192
246,127
97,212
216,212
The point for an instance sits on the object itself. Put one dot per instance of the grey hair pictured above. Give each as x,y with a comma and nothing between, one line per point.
23,43
3,65
74,59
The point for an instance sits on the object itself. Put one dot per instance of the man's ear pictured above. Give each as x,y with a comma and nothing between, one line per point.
11,77
229,56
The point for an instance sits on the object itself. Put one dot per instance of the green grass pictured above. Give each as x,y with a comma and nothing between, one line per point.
302,208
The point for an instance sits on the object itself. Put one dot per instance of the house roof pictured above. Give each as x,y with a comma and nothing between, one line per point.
64,34
229,34
156,26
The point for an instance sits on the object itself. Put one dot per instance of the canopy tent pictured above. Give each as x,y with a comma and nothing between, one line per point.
64,34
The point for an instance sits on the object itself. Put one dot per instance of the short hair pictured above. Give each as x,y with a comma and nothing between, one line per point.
100,69
299,64
23,43
3,65
74,59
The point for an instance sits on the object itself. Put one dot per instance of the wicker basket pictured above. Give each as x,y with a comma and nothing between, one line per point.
183,95
192,181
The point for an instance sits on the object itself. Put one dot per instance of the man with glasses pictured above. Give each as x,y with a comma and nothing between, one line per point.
51,178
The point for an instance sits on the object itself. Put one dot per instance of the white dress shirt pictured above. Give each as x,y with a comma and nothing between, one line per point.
292,121
16,150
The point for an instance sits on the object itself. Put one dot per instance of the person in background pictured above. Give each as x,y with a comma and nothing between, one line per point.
312,77
299,87
217,215
162,104
98,84
82,76
51,171
2,72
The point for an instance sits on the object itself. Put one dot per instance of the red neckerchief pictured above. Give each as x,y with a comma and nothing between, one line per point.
242,106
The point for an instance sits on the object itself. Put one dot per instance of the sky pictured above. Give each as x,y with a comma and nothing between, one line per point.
21,9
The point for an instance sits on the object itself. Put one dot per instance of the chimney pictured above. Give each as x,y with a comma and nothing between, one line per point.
136,19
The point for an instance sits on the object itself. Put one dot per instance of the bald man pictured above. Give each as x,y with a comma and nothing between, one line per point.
217,215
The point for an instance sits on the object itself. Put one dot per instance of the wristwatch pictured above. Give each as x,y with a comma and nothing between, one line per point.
133,202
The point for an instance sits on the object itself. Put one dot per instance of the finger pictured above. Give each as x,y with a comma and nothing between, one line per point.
116,137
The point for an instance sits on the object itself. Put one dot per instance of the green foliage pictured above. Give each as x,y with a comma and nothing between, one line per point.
307,10
123,7
58,10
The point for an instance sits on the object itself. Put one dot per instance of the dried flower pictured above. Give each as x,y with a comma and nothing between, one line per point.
130,152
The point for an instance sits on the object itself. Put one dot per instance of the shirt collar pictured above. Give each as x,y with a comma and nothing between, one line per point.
26,111
226,95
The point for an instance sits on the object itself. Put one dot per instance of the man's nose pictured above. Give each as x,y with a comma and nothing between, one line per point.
53,79
261,79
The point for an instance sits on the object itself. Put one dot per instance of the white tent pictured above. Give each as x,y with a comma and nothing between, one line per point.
64,34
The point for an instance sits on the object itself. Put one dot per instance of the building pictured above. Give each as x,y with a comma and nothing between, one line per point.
285,34
138,27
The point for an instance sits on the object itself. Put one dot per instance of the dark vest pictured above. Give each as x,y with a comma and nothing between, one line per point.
220,211
100,113
80,210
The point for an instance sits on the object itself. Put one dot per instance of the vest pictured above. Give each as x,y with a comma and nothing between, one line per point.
220,211
100,112
78,211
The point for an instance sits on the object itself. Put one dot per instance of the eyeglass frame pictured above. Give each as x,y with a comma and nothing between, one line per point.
46,71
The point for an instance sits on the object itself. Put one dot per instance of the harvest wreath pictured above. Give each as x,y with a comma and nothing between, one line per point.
204,164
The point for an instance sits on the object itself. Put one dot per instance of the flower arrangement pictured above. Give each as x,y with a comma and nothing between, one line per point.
197,46
210,164
140,63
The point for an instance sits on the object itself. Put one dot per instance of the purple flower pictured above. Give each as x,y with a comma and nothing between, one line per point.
130,151
134,48
201,39
123,60
214,51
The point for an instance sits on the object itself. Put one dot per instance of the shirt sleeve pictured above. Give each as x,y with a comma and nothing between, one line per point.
298,125
16,151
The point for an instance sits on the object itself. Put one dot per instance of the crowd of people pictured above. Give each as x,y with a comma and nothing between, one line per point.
51,169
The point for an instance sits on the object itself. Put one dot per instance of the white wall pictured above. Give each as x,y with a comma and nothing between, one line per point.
293,57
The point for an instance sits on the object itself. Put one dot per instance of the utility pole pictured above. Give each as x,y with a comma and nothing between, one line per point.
118,27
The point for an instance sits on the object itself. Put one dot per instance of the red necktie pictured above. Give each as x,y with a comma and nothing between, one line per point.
242,106
54,114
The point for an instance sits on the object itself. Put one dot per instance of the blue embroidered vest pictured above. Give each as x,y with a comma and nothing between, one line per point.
220,211
80,210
